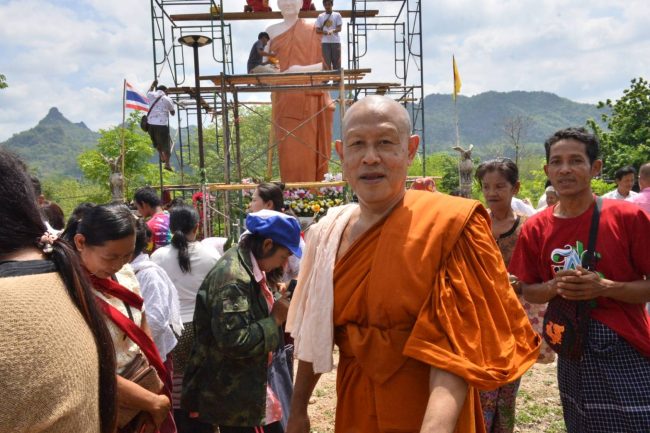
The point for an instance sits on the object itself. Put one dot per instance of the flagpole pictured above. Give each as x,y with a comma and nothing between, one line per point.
457,85
122,150
456,118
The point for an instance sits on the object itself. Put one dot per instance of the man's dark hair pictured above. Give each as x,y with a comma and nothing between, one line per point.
624,171
328,1
263,35
592,146
505,166
147,195
163,88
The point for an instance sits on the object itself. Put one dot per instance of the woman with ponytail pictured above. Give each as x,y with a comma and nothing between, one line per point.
187,262
104,237
57,363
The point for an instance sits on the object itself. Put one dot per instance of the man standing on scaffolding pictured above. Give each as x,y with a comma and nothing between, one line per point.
329,25
160,107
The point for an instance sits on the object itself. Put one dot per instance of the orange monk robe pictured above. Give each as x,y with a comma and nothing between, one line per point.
427,287
305,152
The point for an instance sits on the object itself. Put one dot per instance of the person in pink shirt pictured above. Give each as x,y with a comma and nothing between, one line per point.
643,198
149,206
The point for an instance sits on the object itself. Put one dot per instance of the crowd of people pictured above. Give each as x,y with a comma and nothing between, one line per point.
125,321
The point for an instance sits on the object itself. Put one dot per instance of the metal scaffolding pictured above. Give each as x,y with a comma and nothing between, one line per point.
220,99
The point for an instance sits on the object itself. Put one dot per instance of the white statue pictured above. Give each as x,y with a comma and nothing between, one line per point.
290,10
303,120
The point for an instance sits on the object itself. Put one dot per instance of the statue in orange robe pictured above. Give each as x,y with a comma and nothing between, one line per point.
426,287
303,119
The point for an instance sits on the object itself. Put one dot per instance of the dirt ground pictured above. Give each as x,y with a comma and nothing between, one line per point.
538,402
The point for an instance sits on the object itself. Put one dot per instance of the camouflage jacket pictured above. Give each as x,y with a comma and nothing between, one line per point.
225,378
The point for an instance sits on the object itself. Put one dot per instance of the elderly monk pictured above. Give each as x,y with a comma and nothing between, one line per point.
302,119
412,289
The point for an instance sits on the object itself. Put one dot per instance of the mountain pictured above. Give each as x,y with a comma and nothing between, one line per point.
52,146
482,117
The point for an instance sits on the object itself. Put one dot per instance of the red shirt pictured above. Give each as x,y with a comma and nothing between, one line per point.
548,244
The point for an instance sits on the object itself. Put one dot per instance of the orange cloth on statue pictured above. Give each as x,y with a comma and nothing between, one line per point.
304,149
427,287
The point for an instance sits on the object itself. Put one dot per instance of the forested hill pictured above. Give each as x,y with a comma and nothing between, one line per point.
52,146
482,117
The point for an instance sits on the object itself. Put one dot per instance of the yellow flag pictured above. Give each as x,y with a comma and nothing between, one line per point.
457,82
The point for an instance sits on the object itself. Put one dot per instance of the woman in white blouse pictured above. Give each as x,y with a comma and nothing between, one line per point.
186,262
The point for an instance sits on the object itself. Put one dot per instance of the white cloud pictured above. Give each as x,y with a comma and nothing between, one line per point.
75,54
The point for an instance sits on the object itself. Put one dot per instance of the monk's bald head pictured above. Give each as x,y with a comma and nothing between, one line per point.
380,107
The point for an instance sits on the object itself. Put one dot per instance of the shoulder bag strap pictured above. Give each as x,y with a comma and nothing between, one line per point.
136,334
325,22
589,260
154,104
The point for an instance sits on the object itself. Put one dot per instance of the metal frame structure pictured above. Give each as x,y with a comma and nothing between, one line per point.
172,19
406,25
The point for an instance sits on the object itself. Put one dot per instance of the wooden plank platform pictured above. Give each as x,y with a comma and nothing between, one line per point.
290,78
239,16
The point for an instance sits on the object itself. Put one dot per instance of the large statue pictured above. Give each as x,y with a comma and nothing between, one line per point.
465,168
304,137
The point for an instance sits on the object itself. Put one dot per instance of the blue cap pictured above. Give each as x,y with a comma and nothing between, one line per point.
281,228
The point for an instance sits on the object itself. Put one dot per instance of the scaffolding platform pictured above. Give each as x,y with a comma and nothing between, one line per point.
240,16
322,80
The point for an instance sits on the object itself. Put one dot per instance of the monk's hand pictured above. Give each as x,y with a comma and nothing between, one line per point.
581,284
298,422
280,310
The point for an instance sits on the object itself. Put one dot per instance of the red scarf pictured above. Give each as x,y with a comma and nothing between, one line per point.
112,288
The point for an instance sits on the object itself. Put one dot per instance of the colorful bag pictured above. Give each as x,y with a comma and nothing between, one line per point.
566,323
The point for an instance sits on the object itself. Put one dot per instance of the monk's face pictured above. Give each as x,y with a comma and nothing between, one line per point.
376,151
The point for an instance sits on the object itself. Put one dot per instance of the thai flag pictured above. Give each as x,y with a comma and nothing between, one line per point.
135,99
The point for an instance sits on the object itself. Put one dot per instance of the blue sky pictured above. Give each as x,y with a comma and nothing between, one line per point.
74,54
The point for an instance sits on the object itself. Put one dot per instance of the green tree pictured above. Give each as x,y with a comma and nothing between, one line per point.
3,81
69,192
627,140
138,151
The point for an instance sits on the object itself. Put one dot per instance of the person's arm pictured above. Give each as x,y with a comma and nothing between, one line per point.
235,334
132,395
539,293
153,85
447,393
306,381
581,285
158,312
170,104
318,25
585,285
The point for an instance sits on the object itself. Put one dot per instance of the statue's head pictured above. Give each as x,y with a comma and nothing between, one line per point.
289,7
